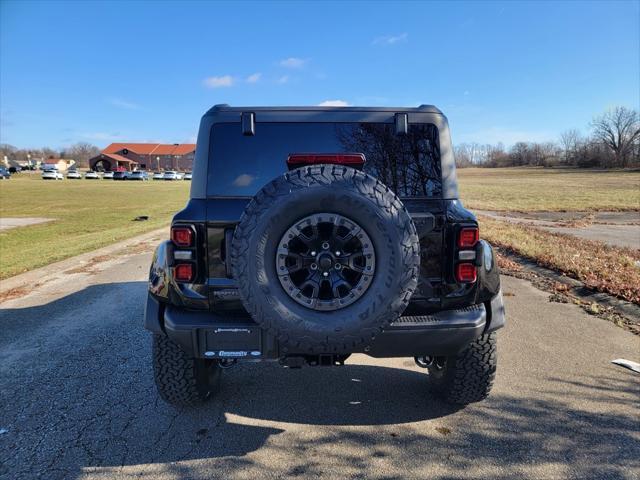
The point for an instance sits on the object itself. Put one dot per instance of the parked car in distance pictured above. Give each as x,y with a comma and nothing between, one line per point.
121,175
4,174
107,175
52,175
74,174
91,175
158,176
138,175
187,176
171,175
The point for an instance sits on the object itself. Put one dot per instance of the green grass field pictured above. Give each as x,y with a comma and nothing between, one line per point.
89,214
539,189
92,214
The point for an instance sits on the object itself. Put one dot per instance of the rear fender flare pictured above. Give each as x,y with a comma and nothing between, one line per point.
159,284
489,289
160,272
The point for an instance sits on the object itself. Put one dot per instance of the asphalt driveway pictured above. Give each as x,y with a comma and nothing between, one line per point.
77,400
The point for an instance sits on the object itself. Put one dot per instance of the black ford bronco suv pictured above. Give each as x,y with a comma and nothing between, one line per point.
312,233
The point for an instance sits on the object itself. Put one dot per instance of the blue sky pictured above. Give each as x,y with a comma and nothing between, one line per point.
147,71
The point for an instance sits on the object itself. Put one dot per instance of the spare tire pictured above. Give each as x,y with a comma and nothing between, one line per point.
325,257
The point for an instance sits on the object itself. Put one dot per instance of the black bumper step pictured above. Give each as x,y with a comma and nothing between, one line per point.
463,317
443,333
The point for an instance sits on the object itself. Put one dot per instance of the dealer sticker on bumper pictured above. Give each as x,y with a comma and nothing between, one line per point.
232,354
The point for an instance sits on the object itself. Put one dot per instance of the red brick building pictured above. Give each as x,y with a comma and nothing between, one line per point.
145,156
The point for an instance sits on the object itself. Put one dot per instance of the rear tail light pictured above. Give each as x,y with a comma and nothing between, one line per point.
466,273
182,236
183,272
468,237
355,160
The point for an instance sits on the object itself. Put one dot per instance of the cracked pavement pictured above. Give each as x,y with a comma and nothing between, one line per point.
77,400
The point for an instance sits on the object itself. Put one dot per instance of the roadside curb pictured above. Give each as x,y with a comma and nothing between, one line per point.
565,289
30,279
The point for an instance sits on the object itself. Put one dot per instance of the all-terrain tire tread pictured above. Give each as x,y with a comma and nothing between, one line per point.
471,373
176,374
319,175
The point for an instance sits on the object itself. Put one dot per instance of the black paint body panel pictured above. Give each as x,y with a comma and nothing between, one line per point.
188,313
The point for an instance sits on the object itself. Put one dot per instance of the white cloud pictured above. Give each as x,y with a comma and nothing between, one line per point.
293,62
243,180
121,103
255,78
334,103
218,82
283,79
391,39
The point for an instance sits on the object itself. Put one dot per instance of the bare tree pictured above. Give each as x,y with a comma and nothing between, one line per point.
409,164
497,156
7,151
619,130
82,152
570,141
49,153
461,155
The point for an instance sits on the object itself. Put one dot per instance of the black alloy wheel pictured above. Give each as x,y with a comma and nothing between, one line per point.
325,261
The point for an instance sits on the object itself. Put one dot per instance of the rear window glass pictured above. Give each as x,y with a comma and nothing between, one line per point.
241,165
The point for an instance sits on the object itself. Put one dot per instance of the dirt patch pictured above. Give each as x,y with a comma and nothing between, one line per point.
581,222
20,291
15,222
88,266
13,293
140,248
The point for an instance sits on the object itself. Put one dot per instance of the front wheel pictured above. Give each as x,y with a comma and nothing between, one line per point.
182,380
468,376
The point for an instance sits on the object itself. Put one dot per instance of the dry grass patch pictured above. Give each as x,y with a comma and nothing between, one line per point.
601,267
527,189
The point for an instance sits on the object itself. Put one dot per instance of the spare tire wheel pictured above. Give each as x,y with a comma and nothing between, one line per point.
325,257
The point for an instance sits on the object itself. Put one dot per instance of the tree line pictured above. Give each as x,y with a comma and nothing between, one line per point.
80,152
612,142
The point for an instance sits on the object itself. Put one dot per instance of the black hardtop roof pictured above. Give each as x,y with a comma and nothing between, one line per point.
227,114
223,107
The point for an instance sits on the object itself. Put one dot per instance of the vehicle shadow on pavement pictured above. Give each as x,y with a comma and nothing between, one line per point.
78,400
77,391
353,394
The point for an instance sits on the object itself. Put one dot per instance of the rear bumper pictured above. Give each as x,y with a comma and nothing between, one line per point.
212,335
443,333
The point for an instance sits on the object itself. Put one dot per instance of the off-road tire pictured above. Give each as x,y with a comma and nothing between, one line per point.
346,192
468,376
182,380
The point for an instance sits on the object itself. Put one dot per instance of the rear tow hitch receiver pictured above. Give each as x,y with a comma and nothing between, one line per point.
424,362
328,360
227,362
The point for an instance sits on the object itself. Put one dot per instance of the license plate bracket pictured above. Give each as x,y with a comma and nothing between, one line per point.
232,342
